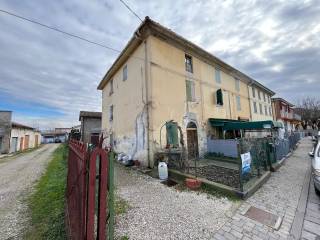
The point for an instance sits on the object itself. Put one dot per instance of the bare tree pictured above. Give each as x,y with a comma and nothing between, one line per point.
309,109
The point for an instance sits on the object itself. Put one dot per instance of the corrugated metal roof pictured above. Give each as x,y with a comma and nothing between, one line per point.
19,125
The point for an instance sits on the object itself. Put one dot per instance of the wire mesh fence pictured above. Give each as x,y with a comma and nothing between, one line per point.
254,157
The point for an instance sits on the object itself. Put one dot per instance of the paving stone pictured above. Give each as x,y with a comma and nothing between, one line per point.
246,238
279,195
308,235
229,236
311,227
238,229
226,229
236,233
219,237
313,219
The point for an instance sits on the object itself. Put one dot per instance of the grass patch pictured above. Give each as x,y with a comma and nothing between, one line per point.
121,206
46,203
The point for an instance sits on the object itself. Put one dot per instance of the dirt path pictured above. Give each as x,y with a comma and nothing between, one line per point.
17,176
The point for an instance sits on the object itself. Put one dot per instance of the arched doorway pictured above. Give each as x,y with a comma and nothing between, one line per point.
192,140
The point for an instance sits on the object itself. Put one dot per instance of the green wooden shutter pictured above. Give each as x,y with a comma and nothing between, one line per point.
219,97
172,134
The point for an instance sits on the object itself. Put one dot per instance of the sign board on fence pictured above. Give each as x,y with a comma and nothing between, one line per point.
246,162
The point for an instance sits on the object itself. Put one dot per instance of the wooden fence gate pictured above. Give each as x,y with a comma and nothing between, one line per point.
89,194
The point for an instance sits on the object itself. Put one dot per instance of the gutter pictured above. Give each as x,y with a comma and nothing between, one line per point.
250,84
147,99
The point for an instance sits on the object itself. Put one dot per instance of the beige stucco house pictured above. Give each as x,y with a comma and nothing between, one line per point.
260,102
160,76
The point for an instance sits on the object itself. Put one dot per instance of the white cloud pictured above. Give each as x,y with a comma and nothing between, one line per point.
274,42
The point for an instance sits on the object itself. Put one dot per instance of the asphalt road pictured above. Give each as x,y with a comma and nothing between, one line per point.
18,175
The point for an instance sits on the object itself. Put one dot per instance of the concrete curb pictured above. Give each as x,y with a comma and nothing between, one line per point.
264,178
180,177
296,228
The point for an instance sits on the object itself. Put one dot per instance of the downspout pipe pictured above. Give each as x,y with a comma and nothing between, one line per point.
147,99
137,34
250,84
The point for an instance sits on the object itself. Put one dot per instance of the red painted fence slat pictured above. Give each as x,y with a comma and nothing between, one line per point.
81,192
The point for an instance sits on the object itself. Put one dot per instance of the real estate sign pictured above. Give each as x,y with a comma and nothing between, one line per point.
246,162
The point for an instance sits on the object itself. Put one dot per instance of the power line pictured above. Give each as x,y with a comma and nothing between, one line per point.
127,6
86,40
67,33
59,30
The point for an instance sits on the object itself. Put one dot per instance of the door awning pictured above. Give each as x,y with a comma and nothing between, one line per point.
244,125
218,122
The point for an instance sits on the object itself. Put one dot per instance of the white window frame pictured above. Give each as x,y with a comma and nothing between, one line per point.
192,89
238,100
217,75
255,108
237,84
111,87
125,72
111,113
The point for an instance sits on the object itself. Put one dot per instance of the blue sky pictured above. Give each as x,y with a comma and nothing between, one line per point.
46,78
31,109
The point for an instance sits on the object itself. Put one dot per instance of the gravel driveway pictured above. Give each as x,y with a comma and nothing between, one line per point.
17,175
159,212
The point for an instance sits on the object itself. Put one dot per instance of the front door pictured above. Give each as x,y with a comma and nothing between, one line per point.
26,142
14,144
192,141
94,139
36,140
21,144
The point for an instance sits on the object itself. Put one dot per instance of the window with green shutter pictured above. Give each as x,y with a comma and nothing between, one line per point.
188,62
219,97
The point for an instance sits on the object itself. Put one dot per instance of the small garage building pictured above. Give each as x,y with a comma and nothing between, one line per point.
15,136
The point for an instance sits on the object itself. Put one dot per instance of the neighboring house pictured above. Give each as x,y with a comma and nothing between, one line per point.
285,112
260,102
90,126
15,136
50,136
160,76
